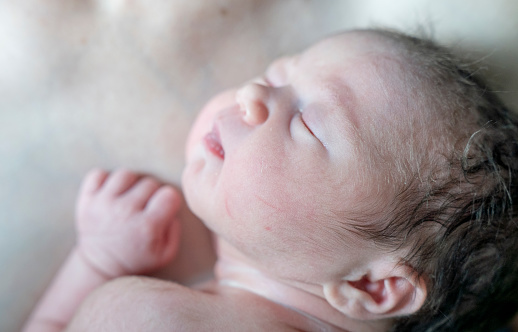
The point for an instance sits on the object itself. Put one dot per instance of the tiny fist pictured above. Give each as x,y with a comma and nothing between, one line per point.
127,223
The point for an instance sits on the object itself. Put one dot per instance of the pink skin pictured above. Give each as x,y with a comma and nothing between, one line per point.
119,210
274,169
126,224
292,160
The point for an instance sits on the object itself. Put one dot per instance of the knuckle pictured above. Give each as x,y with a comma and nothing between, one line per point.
93,176
123,173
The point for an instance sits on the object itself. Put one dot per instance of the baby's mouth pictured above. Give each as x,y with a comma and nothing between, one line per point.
213,143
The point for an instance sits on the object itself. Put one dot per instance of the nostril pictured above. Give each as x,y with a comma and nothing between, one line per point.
252,100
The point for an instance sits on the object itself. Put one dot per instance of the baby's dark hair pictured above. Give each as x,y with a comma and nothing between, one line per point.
461,229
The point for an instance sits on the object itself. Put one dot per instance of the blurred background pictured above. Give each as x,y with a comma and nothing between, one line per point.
117,83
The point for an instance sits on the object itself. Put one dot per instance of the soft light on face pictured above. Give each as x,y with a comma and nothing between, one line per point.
270,164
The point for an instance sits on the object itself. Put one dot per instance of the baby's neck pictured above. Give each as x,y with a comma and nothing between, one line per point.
235,270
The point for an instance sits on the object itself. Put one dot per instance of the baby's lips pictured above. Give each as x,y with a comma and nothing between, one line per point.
213,143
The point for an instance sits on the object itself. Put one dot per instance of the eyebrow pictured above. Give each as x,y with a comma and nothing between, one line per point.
343,119
344,98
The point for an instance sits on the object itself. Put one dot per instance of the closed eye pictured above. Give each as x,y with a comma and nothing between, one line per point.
301,116
306,125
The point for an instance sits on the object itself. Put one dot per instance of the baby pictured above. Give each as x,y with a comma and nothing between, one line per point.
366,184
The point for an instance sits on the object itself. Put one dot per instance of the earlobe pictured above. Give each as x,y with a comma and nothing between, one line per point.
376,297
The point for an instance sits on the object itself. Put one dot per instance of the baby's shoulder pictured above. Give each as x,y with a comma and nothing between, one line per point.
145,304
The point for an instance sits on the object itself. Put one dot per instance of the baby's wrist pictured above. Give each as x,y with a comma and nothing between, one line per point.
95,267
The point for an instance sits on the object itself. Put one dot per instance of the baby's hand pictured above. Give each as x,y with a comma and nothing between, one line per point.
126,223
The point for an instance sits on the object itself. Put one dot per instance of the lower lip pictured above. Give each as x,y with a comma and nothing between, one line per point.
212,142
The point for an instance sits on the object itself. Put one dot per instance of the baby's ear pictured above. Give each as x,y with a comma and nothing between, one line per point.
378,294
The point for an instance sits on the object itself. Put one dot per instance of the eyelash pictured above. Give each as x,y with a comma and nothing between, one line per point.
305,124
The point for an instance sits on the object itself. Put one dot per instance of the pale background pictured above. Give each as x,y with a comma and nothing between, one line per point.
115,83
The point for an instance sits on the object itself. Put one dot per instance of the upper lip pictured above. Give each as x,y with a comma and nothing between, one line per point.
215,140
229,128
219,126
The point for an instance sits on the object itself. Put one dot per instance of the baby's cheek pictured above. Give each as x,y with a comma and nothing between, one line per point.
270,203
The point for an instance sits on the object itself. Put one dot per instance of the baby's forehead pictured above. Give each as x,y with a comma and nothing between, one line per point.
342,49
353,44
359,59
370,64
374,69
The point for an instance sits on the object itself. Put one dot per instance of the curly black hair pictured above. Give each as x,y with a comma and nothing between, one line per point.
461,228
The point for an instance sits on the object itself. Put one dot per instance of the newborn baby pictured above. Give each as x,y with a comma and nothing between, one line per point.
364,185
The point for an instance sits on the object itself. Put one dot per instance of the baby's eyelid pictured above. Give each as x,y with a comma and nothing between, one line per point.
305,124
301,111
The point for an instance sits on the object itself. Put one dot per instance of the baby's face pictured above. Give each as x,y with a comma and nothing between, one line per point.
274,166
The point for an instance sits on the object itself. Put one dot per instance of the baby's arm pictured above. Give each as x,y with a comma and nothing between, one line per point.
126,224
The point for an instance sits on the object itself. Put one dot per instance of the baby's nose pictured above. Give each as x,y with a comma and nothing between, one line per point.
252,99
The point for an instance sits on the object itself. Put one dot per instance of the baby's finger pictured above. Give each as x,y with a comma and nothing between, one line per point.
120,181
93,180
171,241
164,204
142,191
